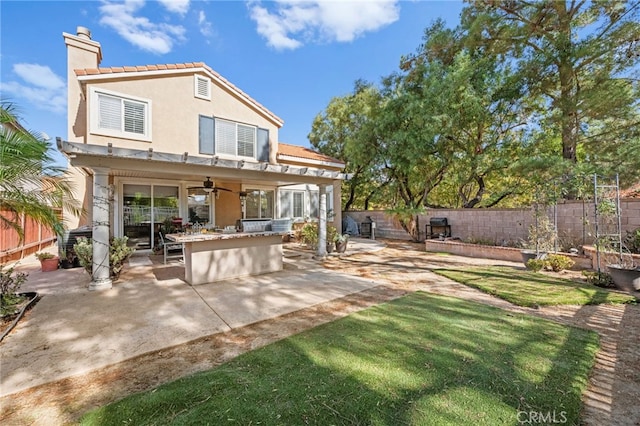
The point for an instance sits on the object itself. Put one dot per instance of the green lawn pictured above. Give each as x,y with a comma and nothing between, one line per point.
527,288
422,359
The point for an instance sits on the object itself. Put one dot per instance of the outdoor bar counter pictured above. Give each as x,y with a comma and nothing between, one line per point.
218,256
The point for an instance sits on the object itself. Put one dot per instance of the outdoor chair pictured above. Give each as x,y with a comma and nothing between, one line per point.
171,250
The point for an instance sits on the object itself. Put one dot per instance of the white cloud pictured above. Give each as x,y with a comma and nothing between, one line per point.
141,32
205,26
180,7
291,22
40,86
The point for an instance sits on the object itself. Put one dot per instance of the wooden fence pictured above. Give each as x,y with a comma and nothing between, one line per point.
36,237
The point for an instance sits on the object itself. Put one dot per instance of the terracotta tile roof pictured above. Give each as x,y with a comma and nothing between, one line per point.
168,67
304,153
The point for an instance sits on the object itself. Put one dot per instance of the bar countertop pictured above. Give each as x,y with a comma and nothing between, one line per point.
213,236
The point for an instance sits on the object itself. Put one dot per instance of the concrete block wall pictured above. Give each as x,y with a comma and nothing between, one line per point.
506,226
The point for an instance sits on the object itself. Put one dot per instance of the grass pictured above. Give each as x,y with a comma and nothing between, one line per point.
421,359
527,288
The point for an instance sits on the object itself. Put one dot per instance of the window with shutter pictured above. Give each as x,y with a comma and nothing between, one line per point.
110,114
119,116
134,117
202,87
235,139
225,137
246,141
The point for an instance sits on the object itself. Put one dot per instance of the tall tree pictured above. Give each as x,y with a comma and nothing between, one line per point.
579,57
30,183
346,130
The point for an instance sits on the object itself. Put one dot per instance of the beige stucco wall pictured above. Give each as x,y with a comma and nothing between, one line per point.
228,205
175,111
81,53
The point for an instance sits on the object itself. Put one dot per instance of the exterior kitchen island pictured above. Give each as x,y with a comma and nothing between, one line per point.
219,256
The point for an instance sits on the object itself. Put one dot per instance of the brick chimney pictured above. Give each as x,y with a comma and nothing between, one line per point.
82,52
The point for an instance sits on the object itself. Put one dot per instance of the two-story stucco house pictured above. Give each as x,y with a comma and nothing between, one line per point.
142,140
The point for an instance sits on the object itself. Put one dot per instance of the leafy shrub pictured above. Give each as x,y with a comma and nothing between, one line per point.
9,286
118,254
308,234
599,279
332,234
44,255
632,241
535,265
558,262
84,250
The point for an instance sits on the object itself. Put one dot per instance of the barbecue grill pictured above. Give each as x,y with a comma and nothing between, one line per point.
438,227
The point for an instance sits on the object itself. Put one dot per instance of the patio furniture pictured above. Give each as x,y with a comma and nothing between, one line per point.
171,249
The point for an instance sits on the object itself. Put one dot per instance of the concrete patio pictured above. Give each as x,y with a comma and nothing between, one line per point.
72,331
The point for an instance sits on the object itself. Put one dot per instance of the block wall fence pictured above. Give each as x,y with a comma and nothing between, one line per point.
506,226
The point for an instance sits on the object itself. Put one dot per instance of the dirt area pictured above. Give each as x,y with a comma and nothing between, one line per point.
401,268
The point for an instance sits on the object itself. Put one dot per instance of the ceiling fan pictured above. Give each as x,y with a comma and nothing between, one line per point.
208,186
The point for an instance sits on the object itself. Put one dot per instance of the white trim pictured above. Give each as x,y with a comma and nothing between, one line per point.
310,161
94,116
197,78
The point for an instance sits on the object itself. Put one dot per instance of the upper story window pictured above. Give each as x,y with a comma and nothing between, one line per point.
202,87
235,139
229,138
117,115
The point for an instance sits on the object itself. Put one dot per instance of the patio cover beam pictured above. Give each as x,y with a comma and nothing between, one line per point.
87,155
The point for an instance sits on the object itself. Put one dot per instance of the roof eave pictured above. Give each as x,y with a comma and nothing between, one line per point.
87,78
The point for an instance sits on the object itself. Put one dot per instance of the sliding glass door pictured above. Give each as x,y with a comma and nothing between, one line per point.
145,208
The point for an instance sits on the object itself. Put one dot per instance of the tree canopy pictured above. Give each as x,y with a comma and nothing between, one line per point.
517,95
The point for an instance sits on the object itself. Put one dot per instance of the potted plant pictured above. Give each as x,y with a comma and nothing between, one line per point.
625,276
341,243
624,271
48,262
332,236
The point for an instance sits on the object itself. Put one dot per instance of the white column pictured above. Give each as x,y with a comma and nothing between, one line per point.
337,205
101,279
321,251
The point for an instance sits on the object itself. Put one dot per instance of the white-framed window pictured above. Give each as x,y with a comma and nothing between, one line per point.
297,203
235,139
217,136
118,115
202,87
303,201
259,203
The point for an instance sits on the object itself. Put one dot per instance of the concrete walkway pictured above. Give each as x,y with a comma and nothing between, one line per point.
72,331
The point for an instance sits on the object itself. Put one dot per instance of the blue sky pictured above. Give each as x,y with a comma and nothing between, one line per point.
290,56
